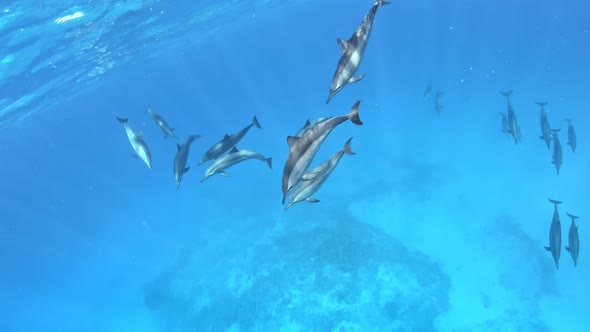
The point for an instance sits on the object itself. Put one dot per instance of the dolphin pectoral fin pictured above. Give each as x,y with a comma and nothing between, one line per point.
234,150
312,200
186,169
356,79
342,44
541,137
178,147
547,248
310,176
223,173
568,249
135,156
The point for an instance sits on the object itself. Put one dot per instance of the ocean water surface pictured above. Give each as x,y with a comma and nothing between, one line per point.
438,222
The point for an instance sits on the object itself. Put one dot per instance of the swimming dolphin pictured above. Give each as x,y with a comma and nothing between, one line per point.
437,105
235,156
505,124
557,151
164,126
571,135
227,142
555,235
512,121
545,128
181,158
574,241
352,52
303,149
313,180
310,124
136,139
428,92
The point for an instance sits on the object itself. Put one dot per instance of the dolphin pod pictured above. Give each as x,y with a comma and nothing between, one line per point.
303,149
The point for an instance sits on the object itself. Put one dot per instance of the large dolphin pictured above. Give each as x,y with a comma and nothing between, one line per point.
571,135
235,156
136,139
181,158
557,151
574,241
352,52
512,121
164,126
303,149
555,234
545,127
227,142
313,180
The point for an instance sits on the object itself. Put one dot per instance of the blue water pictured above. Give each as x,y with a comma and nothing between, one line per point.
438,222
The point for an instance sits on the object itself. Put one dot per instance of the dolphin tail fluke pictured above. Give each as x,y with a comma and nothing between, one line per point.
192,137
555,130
506,93
122,120
572,216
382,2
256,123
569,120
269,162
354,114
542,103
556,203
347,148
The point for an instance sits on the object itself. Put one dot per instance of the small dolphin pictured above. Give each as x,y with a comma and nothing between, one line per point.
352,52
545,128
181,158
505,124
555,235
303,149
574,241
136,139
437,105
313,180
512,121
557,151
428,92
310,124
164,126
571,135
235,156
227,142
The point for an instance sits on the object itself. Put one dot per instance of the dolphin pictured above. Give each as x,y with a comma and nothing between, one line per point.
235,156
310,124
512,121
505,123
437,105
574,241
313,180
136,139
428,92
181,158
303,149
227,142
557,151
164,126
571,135
545,128
555,235
352,52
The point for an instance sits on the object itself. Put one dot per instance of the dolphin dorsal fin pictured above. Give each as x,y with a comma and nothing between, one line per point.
343,45
234,150
226,137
